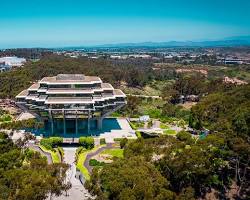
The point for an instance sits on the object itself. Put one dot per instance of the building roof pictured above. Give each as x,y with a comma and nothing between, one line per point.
22,94
119,93
107,86
71,78
102,95
34,87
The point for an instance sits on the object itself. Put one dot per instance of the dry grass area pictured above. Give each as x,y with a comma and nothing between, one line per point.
188,105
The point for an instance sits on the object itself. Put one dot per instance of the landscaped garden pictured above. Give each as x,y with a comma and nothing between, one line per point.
169,132
5,116
118,153
81,154
86,146
52,145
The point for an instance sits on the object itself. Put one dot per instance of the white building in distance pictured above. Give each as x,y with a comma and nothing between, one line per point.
13,61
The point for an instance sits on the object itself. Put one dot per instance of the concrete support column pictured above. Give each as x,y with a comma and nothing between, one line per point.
51,122
99,123
64,123
88,124
76,124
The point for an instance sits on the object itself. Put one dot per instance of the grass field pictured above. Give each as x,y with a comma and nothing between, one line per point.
170,132
54,154
114,152
5,118
81,159
164,126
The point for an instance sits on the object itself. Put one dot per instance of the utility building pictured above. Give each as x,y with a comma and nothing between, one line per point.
71,103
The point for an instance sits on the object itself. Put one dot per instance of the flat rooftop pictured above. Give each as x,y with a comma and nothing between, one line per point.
70,78
23,94
73,77
34,87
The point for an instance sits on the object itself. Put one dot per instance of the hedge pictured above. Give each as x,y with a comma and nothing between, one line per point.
87,142
50,143
94,162
102,141
123,142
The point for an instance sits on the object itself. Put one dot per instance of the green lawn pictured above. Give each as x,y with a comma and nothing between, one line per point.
54,154
81,160
114,152
136,125
164,126
170,132
5,118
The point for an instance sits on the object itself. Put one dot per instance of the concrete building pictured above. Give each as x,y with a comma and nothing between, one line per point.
4,67
71,103
13,61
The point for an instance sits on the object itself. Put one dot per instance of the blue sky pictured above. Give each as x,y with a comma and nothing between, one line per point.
50,23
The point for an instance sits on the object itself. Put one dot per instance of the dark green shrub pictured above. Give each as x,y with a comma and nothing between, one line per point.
123,142
87,142
185,136
117,139
47,143
94,162
102,141
50,143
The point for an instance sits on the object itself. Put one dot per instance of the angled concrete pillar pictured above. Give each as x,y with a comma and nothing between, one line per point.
64,123
88,124
76,124
99,123
51,122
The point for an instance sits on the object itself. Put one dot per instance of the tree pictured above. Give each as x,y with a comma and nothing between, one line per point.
123,142
24,174
185,136
130,179
87,142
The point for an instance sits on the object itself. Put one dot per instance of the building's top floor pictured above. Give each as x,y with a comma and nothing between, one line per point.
70,79
71,93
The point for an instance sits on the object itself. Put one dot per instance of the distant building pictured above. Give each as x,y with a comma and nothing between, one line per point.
144,56
168,57
119,57
144,118
233,61
4,67
13,61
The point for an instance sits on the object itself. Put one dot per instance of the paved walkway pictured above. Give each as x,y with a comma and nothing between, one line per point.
38,149
156,124
77,191
125,132
92,154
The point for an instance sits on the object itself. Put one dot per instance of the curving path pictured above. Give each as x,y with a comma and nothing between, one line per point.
92,154
38,149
